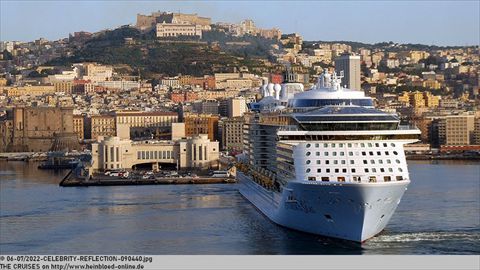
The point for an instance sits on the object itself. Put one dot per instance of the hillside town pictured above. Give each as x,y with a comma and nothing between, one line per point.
94,105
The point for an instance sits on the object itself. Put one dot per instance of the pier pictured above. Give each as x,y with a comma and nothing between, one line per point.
70,180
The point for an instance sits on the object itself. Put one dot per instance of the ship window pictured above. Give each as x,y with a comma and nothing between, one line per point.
366,169
384,144
374,170
353,170
333,145
327,162
325,179
387,178
342,154
312,178
349,145
399,178
398,161
328,170
308,154
362,145
372,179
365,161
325,145
370,145
386,153
343,162
392,144
337,170
308,145
334,154
372,161
364,153
319,170
335,162
317,145
352,161
377,145
344,170
308,170
370,153
379,153
380,161
350,153
389,161
340,145
318,154
395,152
341,179
326,154
382,170
390,169
357,178
400,169
318,161
308,161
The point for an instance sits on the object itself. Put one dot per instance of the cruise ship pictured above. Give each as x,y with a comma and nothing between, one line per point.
324,161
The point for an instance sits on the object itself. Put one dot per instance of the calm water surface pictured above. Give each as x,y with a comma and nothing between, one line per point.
439,214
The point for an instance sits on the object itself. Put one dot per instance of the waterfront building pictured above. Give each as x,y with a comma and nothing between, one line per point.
350,65
459,129
38,129
114,153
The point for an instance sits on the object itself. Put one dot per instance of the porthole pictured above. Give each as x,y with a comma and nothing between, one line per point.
308,145
340,145
385,145
390,169
307,170
400,169
342,154
392,144
308,161
370,145
350,153
398,161
308,154
362,145
317,145
325,145
333,145
395,152
318,154
334,154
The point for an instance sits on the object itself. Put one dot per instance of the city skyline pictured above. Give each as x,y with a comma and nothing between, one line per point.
452,25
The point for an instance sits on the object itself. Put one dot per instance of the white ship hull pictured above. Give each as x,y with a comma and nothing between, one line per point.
351,211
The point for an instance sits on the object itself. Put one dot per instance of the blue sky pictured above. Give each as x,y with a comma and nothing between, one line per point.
427,22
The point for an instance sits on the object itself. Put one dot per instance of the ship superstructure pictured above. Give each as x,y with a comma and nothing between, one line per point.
325,161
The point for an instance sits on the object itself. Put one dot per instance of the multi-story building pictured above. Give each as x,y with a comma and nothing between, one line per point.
145,119
31,90
206,107
196,124
476,131
459,129
350,65
102,125
237,106
64,86
232,134
175,30
78,126
197,152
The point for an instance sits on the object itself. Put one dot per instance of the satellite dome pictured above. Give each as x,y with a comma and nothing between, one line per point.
270,87
277,87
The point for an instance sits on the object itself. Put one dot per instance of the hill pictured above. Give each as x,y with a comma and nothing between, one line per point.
215,52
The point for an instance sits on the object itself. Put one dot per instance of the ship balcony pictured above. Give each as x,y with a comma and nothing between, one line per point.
357,179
